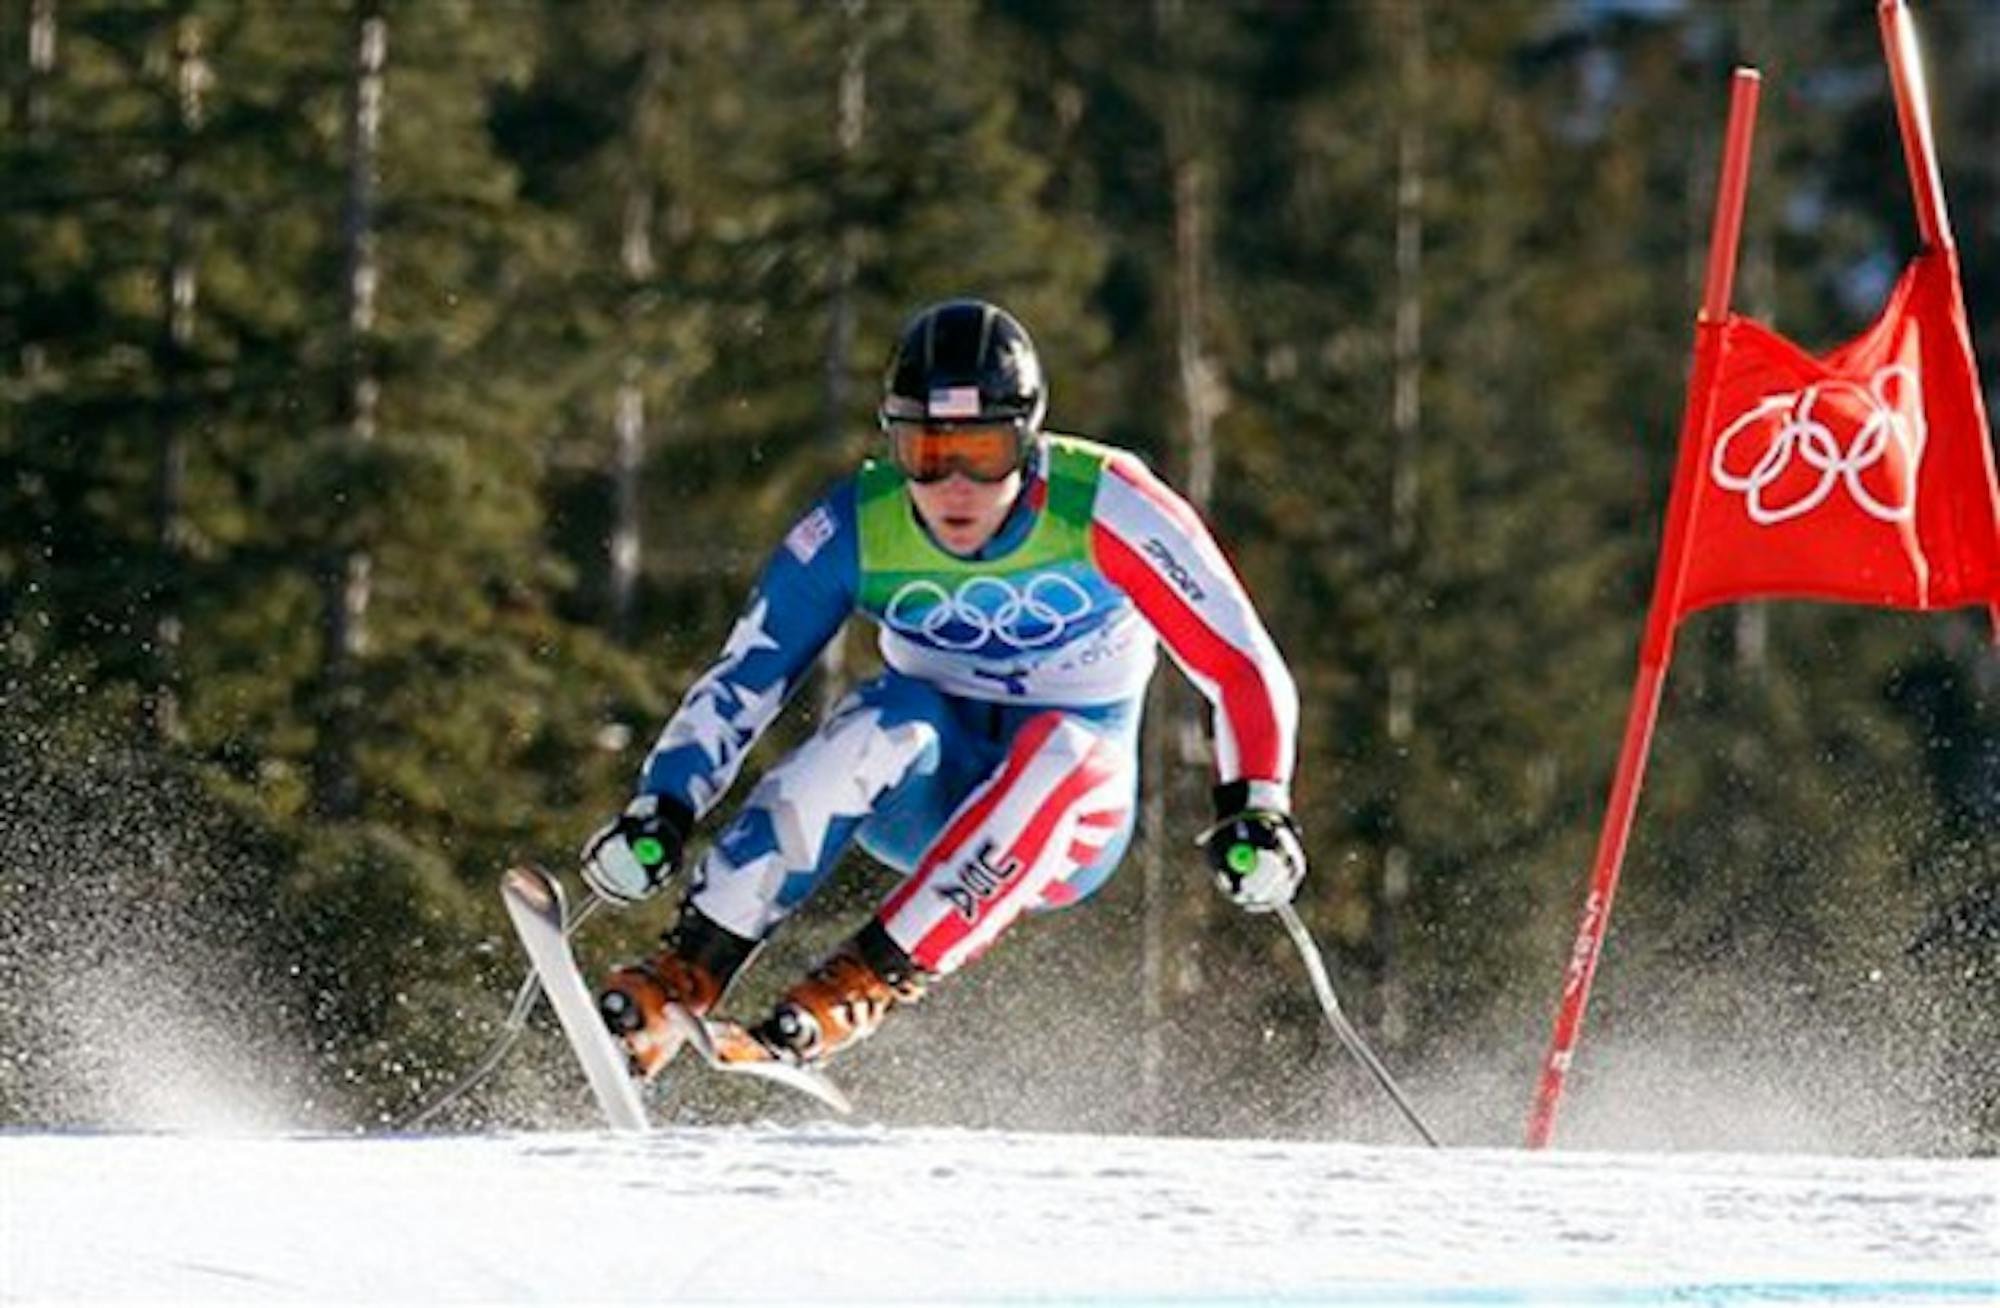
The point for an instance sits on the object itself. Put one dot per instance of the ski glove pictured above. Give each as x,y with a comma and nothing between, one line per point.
632,856
1256,856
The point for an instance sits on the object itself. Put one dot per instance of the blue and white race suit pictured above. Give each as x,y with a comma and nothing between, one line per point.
995,761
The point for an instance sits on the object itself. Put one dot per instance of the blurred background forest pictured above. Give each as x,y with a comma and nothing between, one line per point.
397,397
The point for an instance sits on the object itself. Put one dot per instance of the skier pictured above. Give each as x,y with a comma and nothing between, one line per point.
1021,581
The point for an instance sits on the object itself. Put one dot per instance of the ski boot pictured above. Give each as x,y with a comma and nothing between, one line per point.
842,1000
695,966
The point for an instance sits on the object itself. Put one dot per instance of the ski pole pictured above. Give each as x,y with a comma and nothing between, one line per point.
1323,988
511,1029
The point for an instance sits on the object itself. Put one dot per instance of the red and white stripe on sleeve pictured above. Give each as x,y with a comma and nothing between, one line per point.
1152,545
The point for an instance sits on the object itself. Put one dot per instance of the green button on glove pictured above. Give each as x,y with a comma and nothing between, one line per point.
1257,858
634,854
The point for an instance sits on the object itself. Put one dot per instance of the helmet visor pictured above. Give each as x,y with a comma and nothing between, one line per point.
984,451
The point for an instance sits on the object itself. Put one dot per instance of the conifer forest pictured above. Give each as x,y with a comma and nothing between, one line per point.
398,398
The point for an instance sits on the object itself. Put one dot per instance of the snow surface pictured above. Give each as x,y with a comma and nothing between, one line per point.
826,1214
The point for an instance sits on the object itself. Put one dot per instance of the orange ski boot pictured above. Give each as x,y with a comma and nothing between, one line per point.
842,1000
695,966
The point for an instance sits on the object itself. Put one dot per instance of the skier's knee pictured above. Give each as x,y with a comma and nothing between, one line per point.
1056,736
1070,747
878,735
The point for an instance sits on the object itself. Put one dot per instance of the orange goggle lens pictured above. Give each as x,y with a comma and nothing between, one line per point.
986,452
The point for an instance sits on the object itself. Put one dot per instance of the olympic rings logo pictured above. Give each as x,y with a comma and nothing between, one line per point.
1885,437
989,608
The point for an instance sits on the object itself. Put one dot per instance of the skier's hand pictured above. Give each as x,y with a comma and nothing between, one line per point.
1257,858
632,856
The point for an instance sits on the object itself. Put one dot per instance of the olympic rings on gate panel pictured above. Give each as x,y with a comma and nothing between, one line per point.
1883,434
1031,616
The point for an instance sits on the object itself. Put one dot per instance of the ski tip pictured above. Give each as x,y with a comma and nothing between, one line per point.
533,887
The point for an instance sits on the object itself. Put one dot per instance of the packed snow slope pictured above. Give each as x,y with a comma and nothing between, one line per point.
823,1214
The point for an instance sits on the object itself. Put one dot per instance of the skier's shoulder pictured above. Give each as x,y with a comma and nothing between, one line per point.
1086,460
826,523
1072,446
1127,472
1100,457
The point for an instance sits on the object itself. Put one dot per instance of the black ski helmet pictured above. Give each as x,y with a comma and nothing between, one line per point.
965,361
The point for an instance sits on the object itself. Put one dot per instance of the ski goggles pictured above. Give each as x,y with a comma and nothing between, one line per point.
927,452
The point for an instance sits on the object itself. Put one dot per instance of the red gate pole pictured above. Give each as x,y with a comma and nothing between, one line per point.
1657,650
1913,116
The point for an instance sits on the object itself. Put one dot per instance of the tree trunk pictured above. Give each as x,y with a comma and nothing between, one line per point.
628,459
32,109
347,578
178,275
1176,750
1760,286
637,265
1199,401
1406,426
1153,977
33,103
850,121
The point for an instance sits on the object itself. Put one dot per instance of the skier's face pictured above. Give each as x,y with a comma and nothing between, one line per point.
963,514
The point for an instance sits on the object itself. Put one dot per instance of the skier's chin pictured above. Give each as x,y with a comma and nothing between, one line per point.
962,535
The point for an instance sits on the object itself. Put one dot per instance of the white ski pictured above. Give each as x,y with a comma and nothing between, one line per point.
535,904
700,1035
